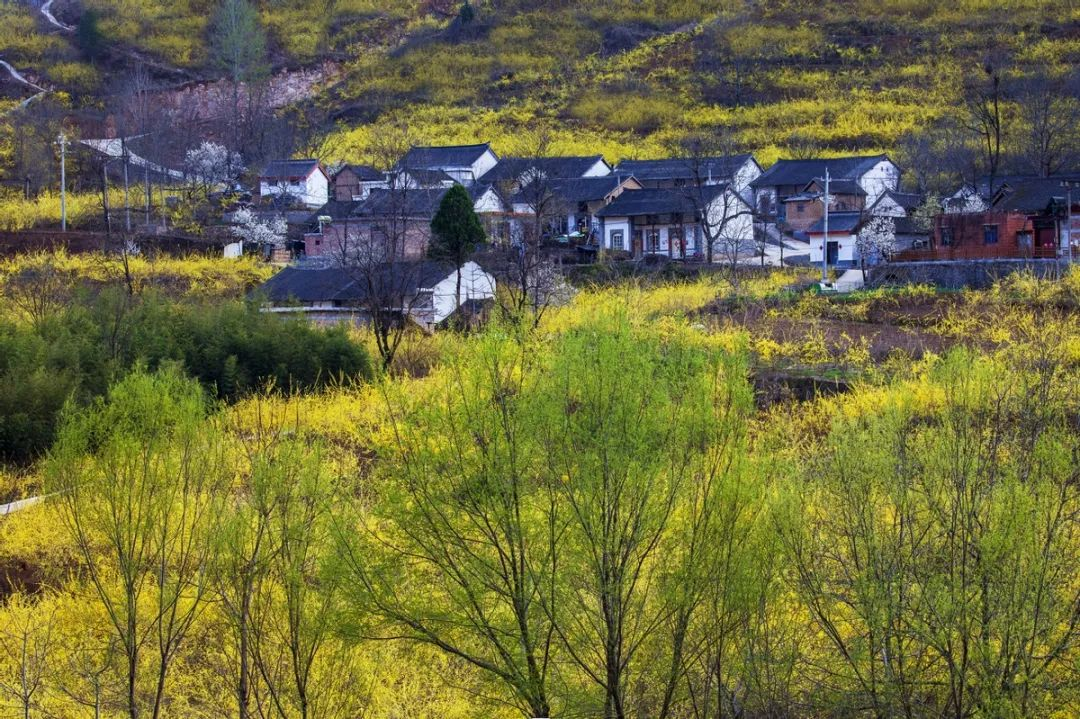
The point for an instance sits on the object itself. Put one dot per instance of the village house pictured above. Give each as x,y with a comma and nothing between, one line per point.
399,217
669,222
874,174
423,291
804,210
841,248
461,163
737,170
513,173
568,206
394,222
302,181
1027,220
354,182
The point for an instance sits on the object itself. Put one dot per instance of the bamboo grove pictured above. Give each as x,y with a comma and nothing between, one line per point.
595,517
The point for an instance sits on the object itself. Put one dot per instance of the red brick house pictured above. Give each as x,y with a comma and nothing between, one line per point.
1027,221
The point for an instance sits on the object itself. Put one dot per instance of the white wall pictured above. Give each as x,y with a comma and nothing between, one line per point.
846,252
313,191
740,219
484,163
475,285
600,169
746,174
618,224
488,202
885,175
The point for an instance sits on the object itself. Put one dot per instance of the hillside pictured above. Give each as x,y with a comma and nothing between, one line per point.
625,78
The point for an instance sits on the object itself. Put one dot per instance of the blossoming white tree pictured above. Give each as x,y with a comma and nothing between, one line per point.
250,228
211,164
876,239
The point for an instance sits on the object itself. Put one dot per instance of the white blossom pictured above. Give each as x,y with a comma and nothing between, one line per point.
213,164
250,228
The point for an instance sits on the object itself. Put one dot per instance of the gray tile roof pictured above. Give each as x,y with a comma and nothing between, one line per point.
350,286
365,173
662,201
1034,196
289,169
443,156
512,168
410,203
802,172
679,168
580,189
838,222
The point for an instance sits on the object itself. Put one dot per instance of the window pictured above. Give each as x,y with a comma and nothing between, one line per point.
990,234
800,208
1023,240
946,236
652,241
616,239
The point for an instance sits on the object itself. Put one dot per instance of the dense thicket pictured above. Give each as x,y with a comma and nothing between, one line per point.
589,517
230,347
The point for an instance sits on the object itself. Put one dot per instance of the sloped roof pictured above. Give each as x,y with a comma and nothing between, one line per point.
340,284
512,168
684,168
443,156
838,222
838,186
578,189
1033,196
908,201
336,209
661,201
425,176
365,173
802,172
413,203
289,169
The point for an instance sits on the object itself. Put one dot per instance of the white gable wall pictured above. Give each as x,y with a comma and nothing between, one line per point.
742,178
475,285
313,191
599,169
885,175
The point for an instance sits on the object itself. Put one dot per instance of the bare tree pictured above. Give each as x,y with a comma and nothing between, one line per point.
984,115
1050,141
378,245
531,281
710,190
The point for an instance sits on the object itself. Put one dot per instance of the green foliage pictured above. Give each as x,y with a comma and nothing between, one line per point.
238,41
231,348
88,34
456,227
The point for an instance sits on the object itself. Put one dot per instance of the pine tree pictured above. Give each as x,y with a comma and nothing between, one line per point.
457,231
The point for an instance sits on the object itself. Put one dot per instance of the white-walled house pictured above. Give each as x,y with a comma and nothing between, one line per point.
462,163
423,290
875,174
517,172
738,171
568,205
668,221
304,180
842,246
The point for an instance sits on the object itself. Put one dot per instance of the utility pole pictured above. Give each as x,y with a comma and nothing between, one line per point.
62,141
127,205
825,242
1069,184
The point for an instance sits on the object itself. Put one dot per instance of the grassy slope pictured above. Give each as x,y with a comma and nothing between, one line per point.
624,77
